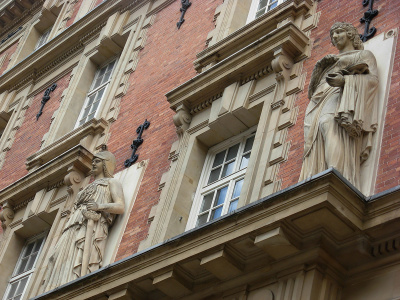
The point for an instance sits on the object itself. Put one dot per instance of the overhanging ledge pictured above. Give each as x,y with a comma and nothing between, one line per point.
281,231
239,65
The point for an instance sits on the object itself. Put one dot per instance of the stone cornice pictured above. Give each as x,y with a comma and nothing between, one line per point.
309,208
240,64
47,175
251,32
46,154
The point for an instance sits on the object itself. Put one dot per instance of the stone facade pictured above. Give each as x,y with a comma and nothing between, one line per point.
205,88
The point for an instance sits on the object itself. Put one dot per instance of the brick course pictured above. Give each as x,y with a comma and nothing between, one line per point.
7,54
28,138
165,62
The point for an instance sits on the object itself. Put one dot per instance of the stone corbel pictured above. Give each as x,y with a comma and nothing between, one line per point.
6,215
182,119
73,180
282,65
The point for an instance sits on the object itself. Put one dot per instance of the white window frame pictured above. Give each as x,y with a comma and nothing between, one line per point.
93,90
28,273
205,188
43,38
254,8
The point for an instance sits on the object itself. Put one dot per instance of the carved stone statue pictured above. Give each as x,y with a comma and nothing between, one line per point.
342,114
80,249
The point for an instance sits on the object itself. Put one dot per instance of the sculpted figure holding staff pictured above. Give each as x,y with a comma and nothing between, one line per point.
80,249
342,114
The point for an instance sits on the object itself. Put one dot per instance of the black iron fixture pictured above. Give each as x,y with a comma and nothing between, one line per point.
46,98
368,16
185,5
136,143
10,35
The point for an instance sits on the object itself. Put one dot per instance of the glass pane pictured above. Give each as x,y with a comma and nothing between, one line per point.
202,219
91,99
22,285
262,4
232,152
216,213
13,288
207,200
219,158
29,249
260,12
22,266
233,205
214,175
228,169
31,261
245,161
221,195
249,144
38,244
18,297
237,189
273,5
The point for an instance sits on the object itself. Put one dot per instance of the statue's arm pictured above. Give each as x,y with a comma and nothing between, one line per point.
118,203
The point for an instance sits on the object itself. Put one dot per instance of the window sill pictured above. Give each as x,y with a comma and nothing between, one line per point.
90,128
250,33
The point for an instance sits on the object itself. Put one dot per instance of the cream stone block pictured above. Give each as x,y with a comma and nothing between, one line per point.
279,154
383,47
221,264
275,243
130,179
172,284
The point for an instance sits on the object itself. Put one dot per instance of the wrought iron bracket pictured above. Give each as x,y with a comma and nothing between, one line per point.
136,143
185,5
368,16
46,98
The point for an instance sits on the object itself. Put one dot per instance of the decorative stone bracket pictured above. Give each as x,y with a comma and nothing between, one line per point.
6,215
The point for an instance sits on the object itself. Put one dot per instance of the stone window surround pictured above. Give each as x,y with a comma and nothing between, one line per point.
254,7
28,273
248,78
237,175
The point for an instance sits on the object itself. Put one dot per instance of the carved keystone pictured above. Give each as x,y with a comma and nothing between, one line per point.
222,265
276,243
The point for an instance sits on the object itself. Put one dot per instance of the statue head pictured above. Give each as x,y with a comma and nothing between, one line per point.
352,34
109,161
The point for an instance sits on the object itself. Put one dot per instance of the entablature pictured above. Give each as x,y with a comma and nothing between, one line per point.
50,173
251,32
245,62
281,236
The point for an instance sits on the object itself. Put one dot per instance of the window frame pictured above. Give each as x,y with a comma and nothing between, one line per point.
254,8
28,273
43,38
204,188
93,90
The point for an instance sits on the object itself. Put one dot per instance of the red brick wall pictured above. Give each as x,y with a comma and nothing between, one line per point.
76,7
351,11
28,138
165,62
7,53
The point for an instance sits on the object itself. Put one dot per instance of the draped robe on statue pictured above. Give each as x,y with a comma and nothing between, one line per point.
66,262
339,121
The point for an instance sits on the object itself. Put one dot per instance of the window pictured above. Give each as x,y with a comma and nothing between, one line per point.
222,180
260,7
43,38
93,99
24,268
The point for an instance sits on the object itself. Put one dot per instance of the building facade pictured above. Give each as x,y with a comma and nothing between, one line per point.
204,104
